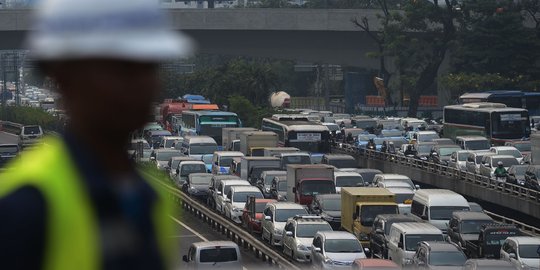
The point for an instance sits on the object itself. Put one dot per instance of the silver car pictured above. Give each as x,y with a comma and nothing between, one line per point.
212,255
334,250
298,236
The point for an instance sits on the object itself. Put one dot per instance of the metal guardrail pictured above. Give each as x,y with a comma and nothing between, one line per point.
480,180
237,234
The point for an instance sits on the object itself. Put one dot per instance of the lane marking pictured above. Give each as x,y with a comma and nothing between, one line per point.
189,228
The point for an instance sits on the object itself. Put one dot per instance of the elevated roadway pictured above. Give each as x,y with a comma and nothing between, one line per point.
306,35
508,199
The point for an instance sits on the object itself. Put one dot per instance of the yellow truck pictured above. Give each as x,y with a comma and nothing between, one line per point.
360,206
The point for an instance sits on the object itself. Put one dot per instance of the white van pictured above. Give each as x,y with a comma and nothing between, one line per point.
213,255
222,160
437,205
404,238
197,146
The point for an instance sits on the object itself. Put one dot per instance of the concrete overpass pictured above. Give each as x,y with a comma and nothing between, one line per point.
308,35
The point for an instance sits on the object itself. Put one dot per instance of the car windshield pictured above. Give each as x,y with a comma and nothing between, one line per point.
368,176
31,130
523,147
309,230
201,149
318,187
427,137
200,180
424,149
519,170
497,238
135,145
462,156
444,212
477,145
349,181
331,204
257,171
225,161
296,160
218,255
479,158
507,162
447,258
511,152
282,186
529,251
188,169
283,214
403,197
342,246
9,149
207,159
169,143
369,212
166,156
412,240
174,163
399,183
472,226
447,151
259,207
242,196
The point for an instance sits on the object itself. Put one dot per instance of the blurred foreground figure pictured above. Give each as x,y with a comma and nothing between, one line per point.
77,202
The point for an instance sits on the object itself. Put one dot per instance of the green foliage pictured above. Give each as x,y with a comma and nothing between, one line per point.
250,114
31,116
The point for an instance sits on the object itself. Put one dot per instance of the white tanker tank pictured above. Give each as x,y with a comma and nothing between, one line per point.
280,100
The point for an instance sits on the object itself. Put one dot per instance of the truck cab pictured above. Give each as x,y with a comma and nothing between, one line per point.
360,206
306,181
490,240
465,225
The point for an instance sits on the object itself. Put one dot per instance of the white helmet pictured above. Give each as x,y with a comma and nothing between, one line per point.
118,29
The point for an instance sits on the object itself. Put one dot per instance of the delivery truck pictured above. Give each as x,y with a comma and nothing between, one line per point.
230,135
252,143
360,206
306,181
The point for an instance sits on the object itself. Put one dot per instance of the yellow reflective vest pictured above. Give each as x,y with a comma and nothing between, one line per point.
72,236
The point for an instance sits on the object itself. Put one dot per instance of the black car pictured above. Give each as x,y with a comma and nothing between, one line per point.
8,152
328,206
532,176
516,174
378,238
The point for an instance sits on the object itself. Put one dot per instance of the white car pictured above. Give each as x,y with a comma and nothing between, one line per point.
236,200
223,189
347,179
385,180
330,250
458,160
507,150
275,217
298,236
522,251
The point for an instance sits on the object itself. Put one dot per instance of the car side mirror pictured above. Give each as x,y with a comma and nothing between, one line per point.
219,193
184,258
153,158
512,256
424,217
400,245
379,231
269,218
417,186
288,233
318,249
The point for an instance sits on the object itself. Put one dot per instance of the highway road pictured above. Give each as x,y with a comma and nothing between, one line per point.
189,229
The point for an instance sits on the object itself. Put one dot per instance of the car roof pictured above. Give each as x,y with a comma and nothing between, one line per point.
229,153
440,246
376,263
184,158
338,156
328,196
397,217
275,172
501,156
400,190
469,215
234,182
416,228
470,138
340,173
199,174
214,244
244,189
393,176
287,205
308,219
503,148
337,235
191,162
166,150
525,240
486,262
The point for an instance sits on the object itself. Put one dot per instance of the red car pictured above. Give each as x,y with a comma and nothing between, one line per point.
253,214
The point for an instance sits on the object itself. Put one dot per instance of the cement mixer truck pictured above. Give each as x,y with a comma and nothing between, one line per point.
280,100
